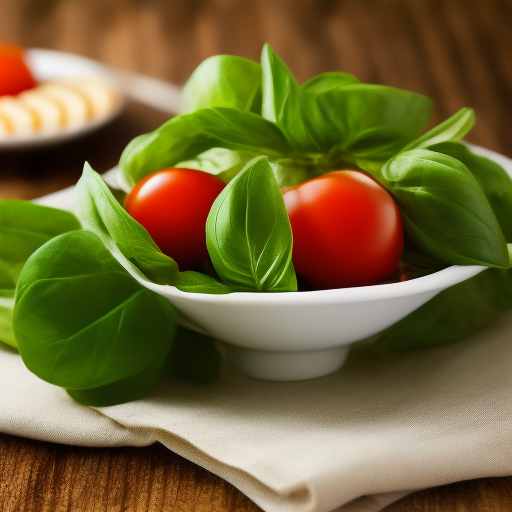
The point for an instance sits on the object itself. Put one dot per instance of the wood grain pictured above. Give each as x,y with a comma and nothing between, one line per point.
458,52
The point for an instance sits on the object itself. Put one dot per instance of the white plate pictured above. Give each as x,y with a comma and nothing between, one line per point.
50,65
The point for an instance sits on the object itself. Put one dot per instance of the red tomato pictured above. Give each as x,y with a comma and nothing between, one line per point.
347,230
173,204
15,77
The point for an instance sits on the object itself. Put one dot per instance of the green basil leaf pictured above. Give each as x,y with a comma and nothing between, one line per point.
124,390
187,136
224,81
367,122
282,103
492,178
327,81
195,282
451,315
453,129
24,227
445,213
101,213
194,357
81,321
248,232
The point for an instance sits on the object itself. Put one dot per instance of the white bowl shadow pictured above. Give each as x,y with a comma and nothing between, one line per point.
304,335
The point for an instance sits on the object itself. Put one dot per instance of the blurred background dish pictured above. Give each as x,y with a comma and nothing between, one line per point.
72,96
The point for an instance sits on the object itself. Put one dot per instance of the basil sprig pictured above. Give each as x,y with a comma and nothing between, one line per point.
24,227
248,233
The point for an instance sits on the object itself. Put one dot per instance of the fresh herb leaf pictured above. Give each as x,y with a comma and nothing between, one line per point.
451,315
24,227
224,81
195,282
445,213
326,81
189,135
81,321
248,232
492,178
101,213
453,129
194,357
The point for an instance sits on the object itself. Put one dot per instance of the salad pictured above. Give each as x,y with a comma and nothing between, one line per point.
261,185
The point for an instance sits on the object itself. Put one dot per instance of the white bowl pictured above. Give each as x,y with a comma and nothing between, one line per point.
304,335
49,65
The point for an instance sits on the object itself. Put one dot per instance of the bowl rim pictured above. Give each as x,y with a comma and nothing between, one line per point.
436,281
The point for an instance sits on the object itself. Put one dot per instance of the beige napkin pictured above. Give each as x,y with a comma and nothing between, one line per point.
357,439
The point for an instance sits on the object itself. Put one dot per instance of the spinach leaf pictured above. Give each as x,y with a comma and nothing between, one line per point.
101,213
492,178
187,136
445,213
194,357
81,321
451,315
453,129
24,227
248,232
224,81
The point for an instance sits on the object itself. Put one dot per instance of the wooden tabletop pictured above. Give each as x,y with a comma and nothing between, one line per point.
458,52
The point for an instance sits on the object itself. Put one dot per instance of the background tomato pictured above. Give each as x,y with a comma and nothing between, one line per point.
15,76
347,230
173,204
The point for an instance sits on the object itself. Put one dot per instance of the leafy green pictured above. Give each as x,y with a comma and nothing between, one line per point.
451,315
327,81
81,321
453,129
224,81
195,282
102,214
445,213
492,178
194,357
248,232
189,135
24,227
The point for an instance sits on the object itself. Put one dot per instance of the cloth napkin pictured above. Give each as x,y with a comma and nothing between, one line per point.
353,441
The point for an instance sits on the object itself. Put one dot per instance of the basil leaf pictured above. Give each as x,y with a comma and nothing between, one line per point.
445,213
367,122
186,136
81,321
453,129
248,232
451,315
194,357
224,81
24,227
282,100
195,282
102,214
492,178
327,81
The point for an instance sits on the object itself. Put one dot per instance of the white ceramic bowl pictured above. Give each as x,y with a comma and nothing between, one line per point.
49,65
303,335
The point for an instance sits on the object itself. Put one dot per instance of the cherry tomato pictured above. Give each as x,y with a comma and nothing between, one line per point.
347,230
173,205
15,76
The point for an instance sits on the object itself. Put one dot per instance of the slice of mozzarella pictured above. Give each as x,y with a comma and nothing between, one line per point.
18,117
72,104
5,128
101,98
49,116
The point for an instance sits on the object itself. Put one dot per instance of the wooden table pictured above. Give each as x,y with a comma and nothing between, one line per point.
458,52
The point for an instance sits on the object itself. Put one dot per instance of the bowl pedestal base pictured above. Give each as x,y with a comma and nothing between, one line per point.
286,366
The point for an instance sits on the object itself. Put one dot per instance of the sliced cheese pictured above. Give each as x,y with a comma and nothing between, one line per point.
48,114
20,118
72,104
5,129
101,98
